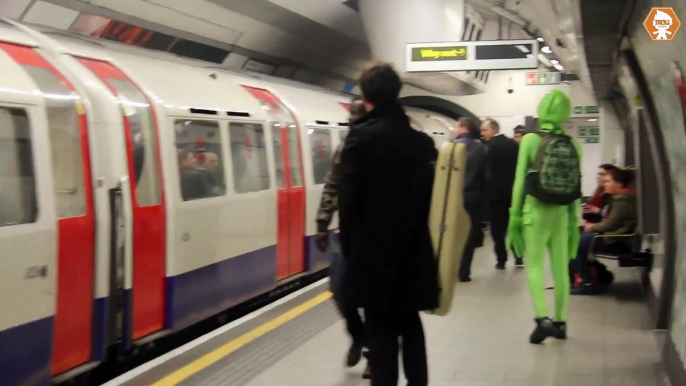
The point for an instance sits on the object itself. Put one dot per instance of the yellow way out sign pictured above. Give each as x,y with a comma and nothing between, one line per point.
439,53
471,55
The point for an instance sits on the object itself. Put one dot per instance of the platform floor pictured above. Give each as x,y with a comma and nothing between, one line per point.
483,342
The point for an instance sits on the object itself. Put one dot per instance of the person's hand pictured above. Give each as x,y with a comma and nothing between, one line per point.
515,239
574,237
587,228
322,241
591,209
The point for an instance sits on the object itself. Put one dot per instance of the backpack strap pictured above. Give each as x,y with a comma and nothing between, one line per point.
544,133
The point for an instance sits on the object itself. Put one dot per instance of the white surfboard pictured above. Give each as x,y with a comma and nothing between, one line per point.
448,221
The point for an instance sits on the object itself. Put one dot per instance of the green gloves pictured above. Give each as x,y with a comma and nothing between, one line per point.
574,234
515,239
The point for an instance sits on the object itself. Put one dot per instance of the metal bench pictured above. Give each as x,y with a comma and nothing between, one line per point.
635,258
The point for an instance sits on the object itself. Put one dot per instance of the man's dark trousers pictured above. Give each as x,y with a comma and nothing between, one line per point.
353,321
475,238
349,312
500,217
383,330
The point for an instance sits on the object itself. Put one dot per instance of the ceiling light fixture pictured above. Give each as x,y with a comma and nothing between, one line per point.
554,61
546,50
593,119
559,67
540,39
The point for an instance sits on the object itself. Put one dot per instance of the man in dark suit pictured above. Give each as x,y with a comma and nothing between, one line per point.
501,167
467,132
387,171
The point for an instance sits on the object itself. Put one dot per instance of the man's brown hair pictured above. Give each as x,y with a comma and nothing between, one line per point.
471,126
623,177
380,84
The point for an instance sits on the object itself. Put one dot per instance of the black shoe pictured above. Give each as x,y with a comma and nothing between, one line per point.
584,289
464,279
354,354
519,262
367,373
544,329
560,330
500,266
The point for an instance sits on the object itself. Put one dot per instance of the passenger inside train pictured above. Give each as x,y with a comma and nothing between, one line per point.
193,184
606,236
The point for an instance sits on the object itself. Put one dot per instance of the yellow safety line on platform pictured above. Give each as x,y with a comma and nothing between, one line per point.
213,356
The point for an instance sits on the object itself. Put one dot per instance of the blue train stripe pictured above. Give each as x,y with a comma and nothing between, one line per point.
25,353
203,292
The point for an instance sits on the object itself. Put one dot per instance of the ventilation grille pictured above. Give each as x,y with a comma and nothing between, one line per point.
237,114
203,111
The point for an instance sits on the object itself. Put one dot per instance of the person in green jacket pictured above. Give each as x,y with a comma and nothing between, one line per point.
622,219
535,226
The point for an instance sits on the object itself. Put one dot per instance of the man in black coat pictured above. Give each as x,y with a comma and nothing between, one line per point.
387,172
327,207
500,171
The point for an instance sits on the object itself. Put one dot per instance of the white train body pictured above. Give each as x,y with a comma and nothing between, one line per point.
106,236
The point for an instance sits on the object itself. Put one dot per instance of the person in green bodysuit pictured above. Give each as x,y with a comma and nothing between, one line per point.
535,227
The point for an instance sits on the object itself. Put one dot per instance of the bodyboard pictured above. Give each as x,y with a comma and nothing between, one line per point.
448,221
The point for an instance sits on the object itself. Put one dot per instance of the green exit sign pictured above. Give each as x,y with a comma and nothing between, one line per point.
589,132
542,78
586,110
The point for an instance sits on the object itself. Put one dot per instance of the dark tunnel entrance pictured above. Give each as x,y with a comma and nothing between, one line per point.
437,105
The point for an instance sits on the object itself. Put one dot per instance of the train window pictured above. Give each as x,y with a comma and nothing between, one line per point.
320,143
200,159
18,204
249,155
294,155
65,142
146,171
278,156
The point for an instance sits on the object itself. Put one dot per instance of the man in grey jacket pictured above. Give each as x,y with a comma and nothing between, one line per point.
467,132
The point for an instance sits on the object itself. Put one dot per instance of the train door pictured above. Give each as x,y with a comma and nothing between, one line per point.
290,247
145,302
28,234
71,170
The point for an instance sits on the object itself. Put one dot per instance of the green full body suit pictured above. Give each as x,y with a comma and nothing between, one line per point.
536,227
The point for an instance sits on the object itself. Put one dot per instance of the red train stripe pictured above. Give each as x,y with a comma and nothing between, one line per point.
290,248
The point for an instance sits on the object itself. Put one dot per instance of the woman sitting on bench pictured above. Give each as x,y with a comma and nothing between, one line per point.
621,220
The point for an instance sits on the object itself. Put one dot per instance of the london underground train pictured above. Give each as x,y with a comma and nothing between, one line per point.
141,193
